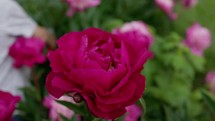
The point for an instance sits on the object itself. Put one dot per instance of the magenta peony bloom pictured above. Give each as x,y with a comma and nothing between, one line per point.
7,105
197,39
140,28
103,68
167,6
210,80
80,5
134,113
55,108
189,3
27,51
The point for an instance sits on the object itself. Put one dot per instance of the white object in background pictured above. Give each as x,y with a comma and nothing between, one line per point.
13,22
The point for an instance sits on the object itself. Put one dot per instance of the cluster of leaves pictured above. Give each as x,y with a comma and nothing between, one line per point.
171,88
174,76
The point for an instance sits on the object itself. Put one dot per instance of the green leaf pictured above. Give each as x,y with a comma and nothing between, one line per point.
171,41
120,118
64,118
197,62
74,107
179,62
109,25
209,100
143,105
74,118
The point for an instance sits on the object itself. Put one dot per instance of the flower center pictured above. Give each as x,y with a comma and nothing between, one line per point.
106,54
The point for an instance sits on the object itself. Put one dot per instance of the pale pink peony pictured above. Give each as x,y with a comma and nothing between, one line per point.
27,51
103,68
80,5
189,3
197,39
210,80
167,6
133,113
138,27
55,108
7,105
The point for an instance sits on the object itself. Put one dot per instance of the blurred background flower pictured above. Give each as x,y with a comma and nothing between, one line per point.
56,109
198,39
138,27
80,5
189,3
7,105
210,80
27,51
133,113
168,7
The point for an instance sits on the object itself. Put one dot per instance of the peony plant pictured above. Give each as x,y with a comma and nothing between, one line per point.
101,68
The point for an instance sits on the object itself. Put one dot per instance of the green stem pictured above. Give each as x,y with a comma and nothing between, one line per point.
143,105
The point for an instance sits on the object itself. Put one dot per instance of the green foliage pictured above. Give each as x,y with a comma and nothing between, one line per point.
31,109
74,107
170,77
204,14
209,99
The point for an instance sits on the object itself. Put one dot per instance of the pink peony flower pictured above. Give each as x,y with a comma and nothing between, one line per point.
104,68
27,51
55,108
80,5
140,28
134,113
7,105
167,6
189,3
197,39
210,80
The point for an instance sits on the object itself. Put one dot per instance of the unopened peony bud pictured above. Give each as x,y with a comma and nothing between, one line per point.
197,39
167,6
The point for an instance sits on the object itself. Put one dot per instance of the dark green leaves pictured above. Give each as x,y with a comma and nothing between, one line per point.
210,101
72,106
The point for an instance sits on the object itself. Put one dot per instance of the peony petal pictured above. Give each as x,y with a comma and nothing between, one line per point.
130,45
70,41
91,77
51,89
57,64
106,115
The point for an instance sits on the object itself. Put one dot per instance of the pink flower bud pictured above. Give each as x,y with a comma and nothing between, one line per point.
197,39
189,3
133,113
167,6
138,27
210,80
80,5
